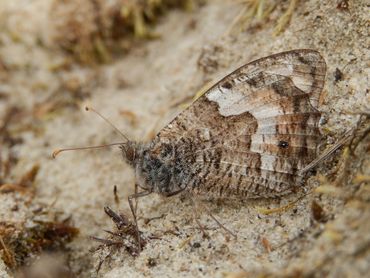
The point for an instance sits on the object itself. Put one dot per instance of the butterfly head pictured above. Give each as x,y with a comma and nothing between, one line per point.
129,152
136,155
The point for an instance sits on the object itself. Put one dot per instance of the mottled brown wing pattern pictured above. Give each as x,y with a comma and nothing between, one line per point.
254,130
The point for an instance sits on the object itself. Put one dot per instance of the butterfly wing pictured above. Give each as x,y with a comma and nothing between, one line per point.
252,132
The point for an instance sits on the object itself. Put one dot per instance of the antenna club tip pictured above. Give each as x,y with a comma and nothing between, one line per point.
87,108
55,153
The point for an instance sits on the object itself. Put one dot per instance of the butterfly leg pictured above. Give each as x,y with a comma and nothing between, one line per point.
133,208
136,199
196,217
200,207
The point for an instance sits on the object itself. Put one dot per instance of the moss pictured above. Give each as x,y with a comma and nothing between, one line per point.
93,31
125,237
259,11
19,244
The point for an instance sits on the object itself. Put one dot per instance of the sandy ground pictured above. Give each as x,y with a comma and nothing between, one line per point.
149,84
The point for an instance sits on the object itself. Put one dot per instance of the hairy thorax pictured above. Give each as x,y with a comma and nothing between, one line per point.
163,168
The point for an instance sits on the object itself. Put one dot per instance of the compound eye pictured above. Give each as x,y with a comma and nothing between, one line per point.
130,154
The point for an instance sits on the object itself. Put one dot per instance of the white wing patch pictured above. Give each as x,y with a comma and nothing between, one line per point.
305,69
228,102
280,69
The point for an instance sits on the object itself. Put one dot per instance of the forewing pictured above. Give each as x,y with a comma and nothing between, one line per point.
253,130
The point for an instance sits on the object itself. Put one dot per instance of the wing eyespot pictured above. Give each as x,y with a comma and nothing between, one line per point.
283,144
227,85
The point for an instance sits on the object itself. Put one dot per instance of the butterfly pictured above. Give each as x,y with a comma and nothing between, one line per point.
248,136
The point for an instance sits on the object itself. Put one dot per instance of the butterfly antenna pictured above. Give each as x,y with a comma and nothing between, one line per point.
87,108
58,151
